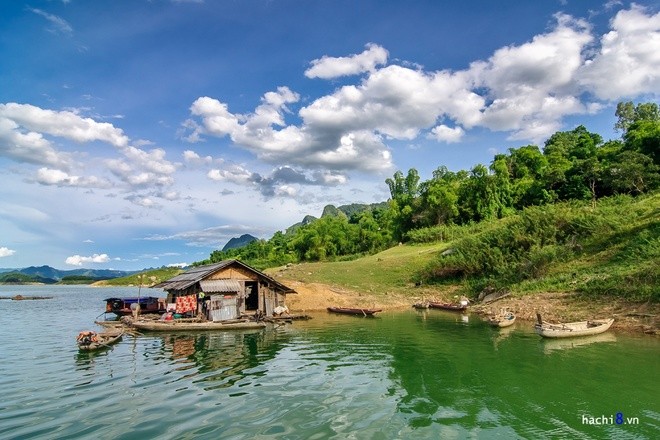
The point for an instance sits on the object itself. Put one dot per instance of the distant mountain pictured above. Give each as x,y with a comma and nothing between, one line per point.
341,211
307,220
21,278
356,208
332,211
239,242
50,273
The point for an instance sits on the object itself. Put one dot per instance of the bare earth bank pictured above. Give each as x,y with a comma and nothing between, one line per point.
553,307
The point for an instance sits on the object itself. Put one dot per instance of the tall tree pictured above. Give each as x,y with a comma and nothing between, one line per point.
627,114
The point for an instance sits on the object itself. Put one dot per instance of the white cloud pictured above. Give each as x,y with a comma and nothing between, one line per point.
6,252
30,147
64,124
628,63
333,67
143,169
532,86
47,176
192,158
233,173
78,260
447,134
59,25
526,90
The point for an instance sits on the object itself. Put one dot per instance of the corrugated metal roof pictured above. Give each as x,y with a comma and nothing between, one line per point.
220,286
196,274
190,277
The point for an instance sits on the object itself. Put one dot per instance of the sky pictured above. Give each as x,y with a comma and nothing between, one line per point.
147,133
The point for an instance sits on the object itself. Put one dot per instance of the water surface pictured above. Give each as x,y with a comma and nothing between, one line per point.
404,374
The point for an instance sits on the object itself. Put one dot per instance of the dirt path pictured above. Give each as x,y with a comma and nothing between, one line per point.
553,307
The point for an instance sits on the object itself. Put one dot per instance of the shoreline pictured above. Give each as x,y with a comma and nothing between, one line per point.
635,318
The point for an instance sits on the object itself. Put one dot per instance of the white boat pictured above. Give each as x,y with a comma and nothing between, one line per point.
572,329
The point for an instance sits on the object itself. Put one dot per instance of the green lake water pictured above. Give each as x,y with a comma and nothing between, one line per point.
400,375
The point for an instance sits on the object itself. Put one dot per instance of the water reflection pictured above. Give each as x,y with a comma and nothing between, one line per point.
500,334
220,359
551,345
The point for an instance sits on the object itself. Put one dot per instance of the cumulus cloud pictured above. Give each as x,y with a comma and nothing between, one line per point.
79,260
23,128
332,67
66,124
532,86
191,158
47,176
231,173
447,134
143,169
259,133
628,63
526,90
30,147
6,252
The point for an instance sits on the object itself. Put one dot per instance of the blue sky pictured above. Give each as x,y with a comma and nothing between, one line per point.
138,134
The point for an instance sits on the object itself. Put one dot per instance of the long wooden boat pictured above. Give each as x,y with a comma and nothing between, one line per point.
354,311
572,329
448,306
175,325
89,340
502,320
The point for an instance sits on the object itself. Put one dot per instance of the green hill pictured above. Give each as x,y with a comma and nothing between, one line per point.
21,278
239,242
145,278
611,249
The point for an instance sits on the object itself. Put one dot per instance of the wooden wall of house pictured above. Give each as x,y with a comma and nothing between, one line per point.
234,273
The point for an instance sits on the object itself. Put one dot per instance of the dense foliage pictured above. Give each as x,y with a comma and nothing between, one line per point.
573,166
613,248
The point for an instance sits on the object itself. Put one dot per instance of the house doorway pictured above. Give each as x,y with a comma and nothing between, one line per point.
251,295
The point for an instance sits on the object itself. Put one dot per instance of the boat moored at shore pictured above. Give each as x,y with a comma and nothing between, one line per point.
571,329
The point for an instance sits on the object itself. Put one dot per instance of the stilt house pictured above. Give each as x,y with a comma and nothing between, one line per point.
224,290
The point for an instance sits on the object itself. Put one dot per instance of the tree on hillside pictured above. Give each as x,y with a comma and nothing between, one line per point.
439,197
628,114
644,137
480,197
527,167
404,192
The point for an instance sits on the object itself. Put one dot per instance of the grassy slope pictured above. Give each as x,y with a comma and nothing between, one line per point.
390,271
621,258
